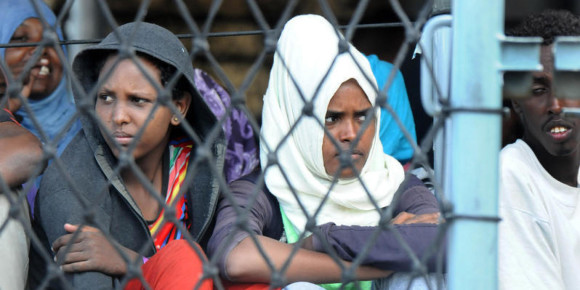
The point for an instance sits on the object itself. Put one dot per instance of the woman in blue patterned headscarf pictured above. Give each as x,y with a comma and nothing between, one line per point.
50,101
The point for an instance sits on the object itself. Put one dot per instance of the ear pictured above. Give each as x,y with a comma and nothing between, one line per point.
517,108
182,106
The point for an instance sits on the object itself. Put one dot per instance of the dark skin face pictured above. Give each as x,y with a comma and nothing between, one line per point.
345,116
553,138
126,100
125,103
47,71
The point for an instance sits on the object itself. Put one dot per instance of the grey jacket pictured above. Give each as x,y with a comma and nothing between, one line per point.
83,187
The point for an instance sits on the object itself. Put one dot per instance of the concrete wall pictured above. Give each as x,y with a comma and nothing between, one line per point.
236,54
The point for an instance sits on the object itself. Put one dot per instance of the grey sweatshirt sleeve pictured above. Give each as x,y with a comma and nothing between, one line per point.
387,252
51,216
56,204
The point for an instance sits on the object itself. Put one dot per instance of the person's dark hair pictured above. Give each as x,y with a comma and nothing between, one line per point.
166,73
548,24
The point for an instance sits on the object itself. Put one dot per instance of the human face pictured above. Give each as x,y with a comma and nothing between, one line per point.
545,130
126,100
344,118
48,68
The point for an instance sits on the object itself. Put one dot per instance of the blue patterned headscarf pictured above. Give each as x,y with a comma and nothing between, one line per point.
54,111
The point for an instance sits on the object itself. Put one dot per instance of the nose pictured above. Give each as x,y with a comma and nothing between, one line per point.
120,115
43,50
31,51
348,130
556,105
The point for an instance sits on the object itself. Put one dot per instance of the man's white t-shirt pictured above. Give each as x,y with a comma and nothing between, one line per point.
539,235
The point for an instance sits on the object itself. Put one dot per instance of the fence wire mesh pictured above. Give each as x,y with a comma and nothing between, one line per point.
232,119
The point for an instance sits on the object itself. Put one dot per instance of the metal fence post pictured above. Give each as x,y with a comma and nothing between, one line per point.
475,134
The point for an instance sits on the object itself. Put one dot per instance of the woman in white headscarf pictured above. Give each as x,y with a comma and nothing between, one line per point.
300,157
319,146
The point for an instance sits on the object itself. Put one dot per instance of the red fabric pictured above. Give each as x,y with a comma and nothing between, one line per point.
11,116
164,232
246,286
175,266
406,166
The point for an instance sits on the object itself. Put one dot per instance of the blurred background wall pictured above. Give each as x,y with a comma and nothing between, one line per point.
237,54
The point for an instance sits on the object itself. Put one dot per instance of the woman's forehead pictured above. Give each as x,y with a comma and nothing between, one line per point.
127,70
350,91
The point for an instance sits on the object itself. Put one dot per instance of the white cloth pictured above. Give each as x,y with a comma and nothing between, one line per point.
404,281
14,245
307,50
539,235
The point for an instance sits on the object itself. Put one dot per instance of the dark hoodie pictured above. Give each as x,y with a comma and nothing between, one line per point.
83,188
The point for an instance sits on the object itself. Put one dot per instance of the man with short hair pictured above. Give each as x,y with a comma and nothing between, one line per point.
539,235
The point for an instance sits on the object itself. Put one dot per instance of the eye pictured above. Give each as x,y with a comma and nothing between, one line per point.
17,37
330,119
106,98
361,116
139,101
539,91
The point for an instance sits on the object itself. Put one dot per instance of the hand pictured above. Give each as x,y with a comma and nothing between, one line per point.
14,104
27,87
408,218
90,251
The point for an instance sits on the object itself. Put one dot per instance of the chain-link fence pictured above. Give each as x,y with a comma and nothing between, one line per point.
101,183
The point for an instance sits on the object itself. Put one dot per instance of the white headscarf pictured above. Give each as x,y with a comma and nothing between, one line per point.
308,46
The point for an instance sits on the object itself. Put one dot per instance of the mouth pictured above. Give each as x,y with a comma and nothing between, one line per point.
559,131
355,154
123,138
42,68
